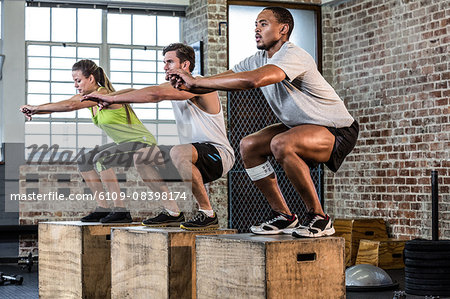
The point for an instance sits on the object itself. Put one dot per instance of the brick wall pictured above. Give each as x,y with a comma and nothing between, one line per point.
389,61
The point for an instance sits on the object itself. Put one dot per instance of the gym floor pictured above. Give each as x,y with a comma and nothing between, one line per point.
29,288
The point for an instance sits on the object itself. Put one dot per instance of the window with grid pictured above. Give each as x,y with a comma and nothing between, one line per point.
129,50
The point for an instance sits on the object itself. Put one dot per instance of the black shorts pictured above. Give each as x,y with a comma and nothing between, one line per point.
209,163
345,141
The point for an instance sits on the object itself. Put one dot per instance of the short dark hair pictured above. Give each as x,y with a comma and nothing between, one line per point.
283,16
183,52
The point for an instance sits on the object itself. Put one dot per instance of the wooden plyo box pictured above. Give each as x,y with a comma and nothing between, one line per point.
154,262
280,266
74,259
386,254
353,230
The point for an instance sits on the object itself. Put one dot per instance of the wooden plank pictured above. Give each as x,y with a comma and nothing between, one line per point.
223,269
295,267
368,252
60,272
137,272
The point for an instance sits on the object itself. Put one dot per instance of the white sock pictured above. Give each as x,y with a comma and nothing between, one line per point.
209,213
172,213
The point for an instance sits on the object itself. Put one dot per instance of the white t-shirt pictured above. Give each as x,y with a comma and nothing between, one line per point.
304,96
195,125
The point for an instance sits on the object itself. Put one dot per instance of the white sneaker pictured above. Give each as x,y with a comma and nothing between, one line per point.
315,226
278,224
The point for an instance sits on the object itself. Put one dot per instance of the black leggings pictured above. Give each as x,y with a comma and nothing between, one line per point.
109,155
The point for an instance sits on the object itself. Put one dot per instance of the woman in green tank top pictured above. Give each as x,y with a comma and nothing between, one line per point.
119,122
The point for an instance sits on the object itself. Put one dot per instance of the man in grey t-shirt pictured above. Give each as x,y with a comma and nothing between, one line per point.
315,124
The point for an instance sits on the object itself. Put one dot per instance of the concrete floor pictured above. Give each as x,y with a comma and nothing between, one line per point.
29,288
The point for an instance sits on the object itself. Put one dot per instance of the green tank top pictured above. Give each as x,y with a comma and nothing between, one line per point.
115,124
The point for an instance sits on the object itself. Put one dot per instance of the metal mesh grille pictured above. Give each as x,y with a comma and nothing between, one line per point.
249,112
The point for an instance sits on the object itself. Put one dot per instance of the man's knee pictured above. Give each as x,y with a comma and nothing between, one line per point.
179,155
248,145
280,147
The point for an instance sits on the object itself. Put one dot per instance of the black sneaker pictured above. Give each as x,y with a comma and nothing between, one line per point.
118,215
315,226
95,216
164,219
279,224
201,221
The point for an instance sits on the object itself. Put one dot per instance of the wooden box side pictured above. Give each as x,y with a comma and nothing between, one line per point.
60,266
182,262
139,265
229,268
313,268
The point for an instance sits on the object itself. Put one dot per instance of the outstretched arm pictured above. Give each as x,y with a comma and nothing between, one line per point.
63,106
151,94
265,75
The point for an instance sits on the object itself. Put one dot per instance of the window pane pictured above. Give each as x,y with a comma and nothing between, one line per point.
165,104
37,99
84,113
161,78
120,65
168,30
38,50
64,141
38,87
89,26
35,139
145,113
144,54
117,53
88,128
36,62
121,77
63,24
63,114
62,88
144,32
165,114
88,53
37,23
118,86
65,75
89,141
144,66
144,78
119,29
63,63
38,75
63,128
59,51
37,128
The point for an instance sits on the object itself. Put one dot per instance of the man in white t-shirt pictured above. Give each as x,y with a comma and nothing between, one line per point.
315,124
204,154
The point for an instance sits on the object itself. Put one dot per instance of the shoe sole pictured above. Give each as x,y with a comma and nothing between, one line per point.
118,221
169,224
270,232
324,233
210,227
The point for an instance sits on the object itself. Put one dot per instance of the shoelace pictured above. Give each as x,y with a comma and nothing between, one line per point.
311,218
274,219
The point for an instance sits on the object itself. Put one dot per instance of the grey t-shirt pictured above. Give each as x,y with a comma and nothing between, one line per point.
304,96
